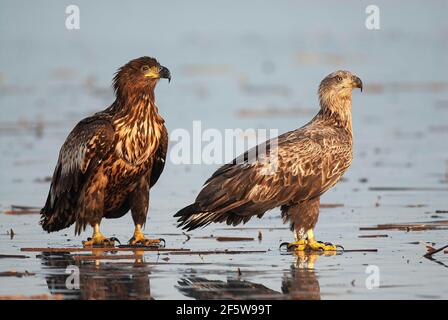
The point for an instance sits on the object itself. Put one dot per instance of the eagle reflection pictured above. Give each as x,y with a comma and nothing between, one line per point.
299,283
97,281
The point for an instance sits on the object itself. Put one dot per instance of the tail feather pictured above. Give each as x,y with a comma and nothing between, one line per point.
57,216
193,217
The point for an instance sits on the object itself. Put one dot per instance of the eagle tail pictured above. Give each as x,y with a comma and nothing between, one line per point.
193,217
56,217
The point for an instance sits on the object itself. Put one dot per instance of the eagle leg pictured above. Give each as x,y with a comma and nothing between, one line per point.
299,244
139,239
98,240
139,200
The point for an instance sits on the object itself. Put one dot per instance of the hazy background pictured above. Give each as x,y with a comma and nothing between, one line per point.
234,64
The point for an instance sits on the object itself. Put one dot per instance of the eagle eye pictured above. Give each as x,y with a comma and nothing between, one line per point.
339,78
145,68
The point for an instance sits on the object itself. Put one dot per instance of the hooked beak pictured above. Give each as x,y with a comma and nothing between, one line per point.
165,73
357,83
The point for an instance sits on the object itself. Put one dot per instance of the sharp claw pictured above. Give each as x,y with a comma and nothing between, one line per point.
147,242
112,239
284,244
107,242
309,246
293,246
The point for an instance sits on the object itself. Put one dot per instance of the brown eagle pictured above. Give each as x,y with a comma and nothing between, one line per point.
110,160
309,161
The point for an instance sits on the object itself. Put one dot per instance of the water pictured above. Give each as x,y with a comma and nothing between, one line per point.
233,63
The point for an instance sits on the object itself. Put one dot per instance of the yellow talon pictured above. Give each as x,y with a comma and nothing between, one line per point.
98,240
307,243
139,238
318,245
298,245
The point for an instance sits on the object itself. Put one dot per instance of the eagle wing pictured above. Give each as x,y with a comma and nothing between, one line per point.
274,177
291,170
159,158
82,152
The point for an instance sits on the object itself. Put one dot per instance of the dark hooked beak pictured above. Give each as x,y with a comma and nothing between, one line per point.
165,73
357,83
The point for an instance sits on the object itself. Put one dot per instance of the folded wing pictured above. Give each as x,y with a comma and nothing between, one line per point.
81,154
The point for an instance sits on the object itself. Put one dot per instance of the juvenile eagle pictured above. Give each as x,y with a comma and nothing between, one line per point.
309,161
110,160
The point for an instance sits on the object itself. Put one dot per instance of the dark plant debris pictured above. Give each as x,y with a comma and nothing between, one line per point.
373,236
34,297
331,205
234,239
22,210
16,274
112,249
431,250
413,226
406,189
13,256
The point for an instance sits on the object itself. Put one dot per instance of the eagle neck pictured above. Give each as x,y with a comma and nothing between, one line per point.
338,109
138,128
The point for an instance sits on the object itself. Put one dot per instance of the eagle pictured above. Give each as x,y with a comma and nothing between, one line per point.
291,171
110,160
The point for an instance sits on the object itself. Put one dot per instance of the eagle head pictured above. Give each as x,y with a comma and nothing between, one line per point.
340,82
139,76
336,88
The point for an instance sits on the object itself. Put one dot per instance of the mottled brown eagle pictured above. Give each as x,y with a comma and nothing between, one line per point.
309,161
110,160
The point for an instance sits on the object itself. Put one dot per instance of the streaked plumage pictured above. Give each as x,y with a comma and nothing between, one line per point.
110,160
310,160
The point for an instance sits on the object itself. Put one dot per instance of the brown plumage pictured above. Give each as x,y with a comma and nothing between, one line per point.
110,160
309,161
